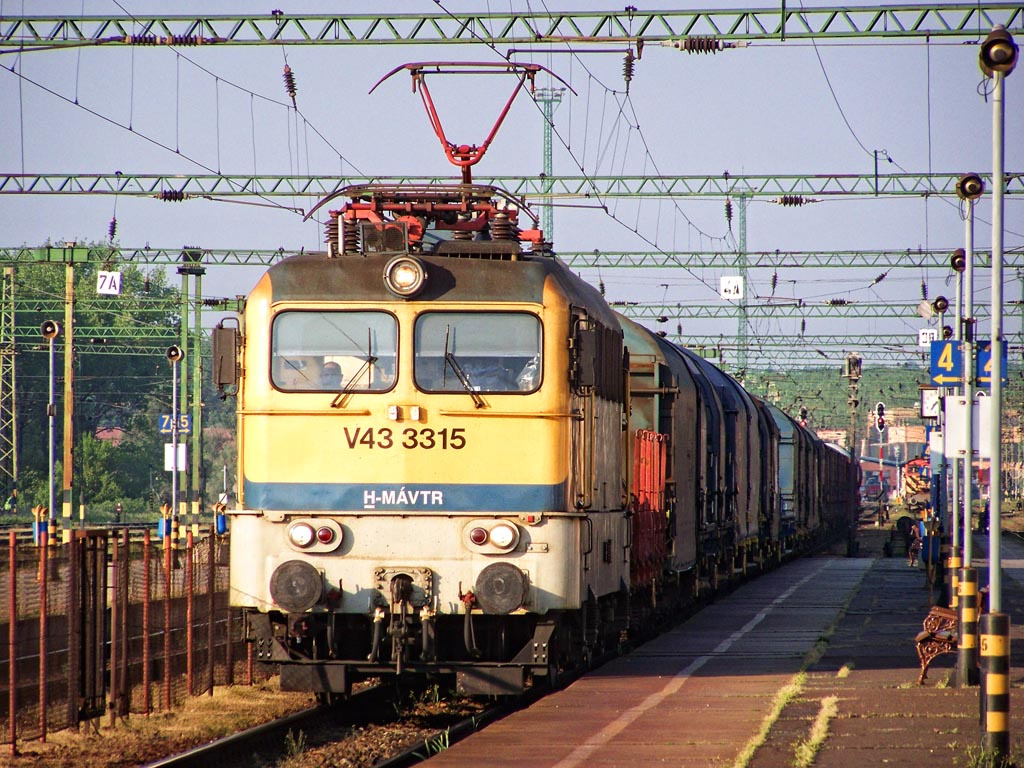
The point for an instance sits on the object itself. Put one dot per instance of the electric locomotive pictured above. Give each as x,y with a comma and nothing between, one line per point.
456,502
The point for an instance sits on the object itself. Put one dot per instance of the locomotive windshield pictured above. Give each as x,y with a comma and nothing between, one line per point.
328,351
478,351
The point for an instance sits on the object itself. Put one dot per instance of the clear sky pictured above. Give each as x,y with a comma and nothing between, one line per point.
767,109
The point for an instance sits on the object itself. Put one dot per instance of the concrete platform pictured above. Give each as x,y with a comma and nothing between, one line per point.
827,638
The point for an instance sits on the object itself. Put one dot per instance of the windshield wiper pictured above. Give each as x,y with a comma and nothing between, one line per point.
463,378
341,399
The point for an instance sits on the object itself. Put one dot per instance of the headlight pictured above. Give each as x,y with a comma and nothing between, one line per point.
405,276
504,536
491,536
301,534
313,536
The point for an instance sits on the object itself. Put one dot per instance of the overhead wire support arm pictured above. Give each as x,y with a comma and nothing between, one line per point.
553,187
936,20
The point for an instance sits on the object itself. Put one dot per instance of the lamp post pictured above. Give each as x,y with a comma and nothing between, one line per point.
970,187
175,355
961,470
51,330
997,58
939,306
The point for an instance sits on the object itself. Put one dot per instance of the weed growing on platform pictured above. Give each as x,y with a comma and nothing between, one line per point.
845,670
979,757
806,750
785,695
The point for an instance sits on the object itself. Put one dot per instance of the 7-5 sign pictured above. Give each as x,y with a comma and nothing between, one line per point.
184,424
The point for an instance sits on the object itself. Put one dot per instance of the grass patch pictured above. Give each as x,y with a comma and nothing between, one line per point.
845,670
783,697
806,750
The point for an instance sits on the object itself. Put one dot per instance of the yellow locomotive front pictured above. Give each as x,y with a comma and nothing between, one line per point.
429,451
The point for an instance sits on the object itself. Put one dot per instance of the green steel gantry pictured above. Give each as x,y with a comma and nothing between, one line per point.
787,189
671,27
910,258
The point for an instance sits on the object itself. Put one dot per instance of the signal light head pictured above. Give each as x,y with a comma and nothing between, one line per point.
947,332
175,353
998,52
941,304
50,329
881,423
970,186
958,260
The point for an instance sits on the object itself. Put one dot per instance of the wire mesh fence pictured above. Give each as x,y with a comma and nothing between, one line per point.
110,624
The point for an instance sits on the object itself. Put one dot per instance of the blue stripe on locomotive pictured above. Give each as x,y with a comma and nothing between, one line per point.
416,497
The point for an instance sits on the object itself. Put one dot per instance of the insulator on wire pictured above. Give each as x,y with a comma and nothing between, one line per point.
924,290
838,302
728,212
702,44
627,68
112,229
171,195
289,84
803,325
179,40
792,200
600,286
775,281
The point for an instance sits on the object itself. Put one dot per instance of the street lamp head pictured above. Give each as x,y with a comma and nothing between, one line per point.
970,186
998,52
50,329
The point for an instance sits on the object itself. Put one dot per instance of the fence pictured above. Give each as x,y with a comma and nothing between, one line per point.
110,625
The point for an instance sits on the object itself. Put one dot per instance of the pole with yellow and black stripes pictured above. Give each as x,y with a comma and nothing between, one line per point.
967,646
995,685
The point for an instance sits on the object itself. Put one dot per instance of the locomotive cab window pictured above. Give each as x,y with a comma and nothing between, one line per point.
331,351
478,351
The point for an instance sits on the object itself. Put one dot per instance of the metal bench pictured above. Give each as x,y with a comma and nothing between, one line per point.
941,628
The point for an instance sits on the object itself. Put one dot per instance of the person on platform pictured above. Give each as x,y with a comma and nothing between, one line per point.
914,550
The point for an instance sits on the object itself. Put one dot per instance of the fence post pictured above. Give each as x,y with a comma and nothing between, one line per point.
229,634
211,584
125,693
146,594
115,626
12,640
190,554
168,545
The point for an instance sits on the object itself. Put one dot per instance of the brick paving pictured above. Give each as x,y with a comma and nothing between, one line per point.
842,629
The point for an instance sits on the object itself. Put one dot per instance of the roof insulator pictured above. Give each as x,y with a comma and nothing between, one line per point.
172,195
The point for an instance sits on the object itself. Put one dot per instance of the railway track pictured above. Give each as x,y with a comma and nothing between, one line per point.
379,725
